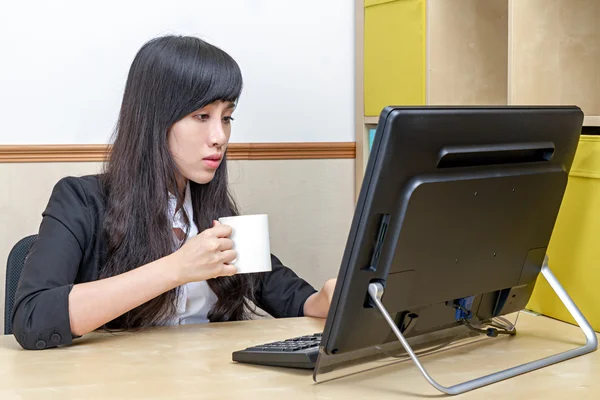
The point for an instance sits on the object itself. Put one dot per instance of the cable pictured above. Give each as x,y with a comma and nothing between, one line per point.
495,328
490,331
502,324
505,323
406,329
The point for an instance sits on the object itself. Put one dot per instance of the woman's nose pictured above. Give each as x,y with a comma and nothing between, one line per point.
217,137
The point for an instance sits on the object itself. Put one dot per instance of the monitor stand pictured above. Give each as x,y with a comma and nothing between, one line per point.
376,293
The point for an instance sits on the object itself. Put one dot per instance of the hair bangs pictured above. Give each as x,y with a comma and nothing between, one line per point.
216,77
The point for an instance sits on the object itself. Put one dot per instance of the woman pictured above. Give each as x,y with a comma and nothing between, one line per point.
138,245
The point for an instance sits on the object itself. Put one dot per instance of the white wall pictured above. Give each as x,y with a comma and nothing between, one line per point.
63,64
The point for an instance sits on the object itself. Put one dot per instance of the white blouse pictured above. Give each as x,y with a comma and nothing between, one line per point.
196,299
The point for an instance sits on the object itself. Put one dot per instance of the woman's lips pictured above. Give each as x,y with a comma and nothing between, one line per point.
212,161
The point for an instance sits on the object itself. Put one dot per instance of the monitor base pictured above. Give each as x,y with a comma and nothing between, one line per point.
376,293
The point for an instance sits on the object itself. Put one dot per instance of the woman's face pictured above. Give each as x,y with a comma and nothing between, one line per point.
198,142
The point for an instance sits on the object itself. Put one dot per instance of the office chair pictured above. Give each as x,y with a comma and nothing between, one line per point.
14,267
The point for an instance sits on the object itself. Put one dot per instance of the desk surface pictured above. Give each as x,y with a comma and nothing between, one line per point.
194,361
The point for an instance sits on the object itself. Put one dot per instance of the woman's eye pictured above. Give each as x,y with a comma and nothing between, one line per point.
227,120
202,117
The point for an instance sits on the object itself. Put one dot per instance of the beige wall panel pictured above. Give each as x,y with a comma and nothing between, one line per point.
309,202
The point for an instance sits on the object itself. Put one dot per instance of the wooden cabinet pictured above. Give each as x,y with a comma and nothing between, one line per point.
474,52
496,52
555,54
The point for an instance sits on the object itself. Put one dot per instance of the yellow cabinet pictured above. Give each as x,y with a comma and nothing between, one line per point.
574,250
394,54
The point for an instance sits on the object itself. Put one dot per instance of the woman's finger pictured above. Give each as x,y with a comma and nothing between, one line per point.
225,244
221,231
228,256
228,270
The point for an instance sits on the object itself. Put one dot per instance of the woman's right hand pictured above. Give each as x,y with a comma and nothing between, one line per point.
206,255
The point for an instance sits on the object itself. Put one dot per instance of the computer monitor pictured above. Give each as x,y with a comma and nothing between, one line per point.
453,220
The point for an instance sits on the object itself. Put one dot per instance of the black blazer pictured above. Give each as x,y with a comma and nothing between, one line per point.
68,251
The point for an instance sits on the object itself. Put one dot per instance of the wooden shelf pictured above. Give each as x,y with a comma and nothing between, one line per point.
591,121
371,120
467,52
555,53
492,52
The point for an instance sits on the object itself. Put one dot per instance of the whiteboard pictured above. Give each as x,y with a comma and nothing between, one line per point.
63,65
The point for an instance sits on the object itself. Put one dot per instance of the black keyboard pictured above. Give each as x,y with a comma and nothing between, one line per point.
298,352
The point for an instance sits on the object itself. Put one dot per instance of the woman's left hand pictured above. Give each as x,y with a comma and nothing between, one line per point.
317,305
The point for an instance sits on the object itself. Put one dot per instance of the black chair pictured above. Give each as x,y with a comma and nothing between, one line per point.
14,267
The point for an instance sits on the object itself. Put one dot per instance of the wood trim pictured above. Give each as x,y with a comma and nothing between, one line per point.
362,144
236,151
292,151
53,153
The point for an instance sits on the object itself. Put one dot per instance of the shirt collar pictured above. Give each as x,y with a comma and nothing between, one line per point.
177,219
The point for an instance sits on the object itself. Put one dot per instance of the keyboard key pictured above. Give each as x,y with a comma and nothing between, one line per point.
273,348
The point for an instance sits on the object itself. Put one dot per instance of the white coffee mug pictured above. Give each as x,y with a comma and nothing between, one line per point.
250,236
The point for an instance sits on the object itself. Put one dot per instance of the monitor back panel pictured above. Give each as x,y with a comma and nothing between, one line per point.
456,202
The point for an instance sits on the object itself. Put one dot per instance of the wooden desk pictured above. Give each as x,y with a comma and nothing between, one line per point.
195,362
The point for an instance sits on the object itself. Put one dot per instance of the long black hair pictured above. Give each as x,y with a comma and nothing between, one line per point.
170,77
